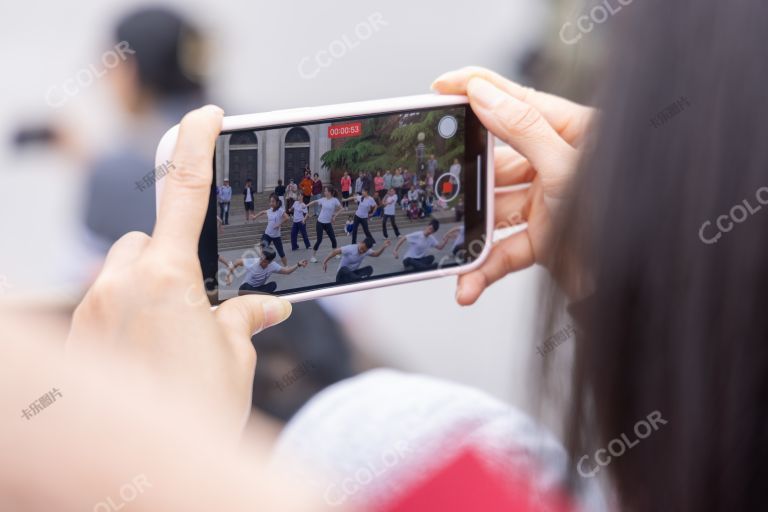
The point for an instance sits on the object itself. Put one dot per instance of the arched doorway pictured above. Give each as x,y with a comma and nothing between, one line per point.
296,154
243,160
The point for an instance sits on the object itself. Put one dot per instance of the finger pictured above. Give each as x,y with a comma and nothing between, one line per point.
246,315
511,168
511,254
525,129
187,186
126,250
510,208
569,119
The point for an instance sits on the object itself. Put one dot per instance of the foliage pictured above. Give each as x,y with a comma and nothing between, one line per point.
388,142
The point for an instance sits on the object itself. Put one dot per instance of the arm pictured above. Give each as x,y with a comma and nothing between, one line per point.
400,242
383,248
231,268
284,218
336,212
332,254
453,232
290,270
447,238
257,215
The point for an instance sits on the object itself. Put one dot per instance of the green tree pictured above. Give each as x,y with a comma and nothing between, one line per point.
390,141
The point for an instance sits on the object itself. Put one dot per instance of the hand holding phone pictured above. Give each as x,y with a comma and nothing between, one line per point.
430,153
545,134
149,304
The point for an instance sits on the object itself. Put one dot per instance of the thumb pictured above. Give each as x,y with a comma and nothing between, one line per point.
250,314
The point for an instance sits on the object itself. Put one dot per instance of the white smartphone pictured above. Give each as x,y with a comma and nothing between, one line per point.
318,201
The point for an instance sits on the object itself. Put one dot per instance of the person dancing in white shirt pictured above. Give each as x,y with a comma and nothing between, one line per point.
275,217
329,209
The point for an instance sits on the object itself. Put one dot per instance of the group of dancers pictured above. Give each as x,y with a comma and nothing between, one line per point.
259,269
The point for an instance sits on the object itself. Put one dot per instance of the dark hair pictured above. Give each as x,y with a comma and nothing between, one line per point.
268,254
317,175
248,180
674,322
434,224
279,182
278,202
166,49
369,242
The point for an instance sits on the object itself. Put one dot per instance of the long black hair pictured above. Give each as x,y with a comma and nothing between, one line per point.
668,226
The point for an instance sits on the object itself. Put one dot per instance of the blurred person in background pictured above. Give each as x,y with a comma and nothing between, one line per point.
248,199
317,192
157,83
224,195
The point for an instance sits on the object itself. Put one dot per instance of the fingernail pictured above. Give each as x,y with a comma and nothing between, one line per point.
275,311
441,79
484,93
215,108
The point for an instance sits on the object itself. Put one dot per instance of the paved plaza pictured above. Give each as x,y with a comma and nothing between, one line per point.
313,274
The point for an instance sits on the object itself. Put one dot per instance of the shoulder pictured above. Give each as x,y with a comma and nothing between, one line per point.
418,418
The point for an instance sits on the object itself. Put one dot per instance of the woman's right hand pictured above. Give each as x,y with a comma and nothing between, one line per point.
544,133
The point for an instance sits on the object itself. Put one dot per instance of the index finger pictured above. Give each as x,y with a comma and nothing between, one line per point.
184,203
569,119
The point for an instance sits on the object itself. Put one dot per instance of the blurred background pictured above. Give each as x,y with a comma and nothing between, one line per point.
82,116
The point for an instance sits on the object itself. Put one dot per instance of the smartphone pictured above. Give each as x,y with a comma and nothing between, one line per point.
312,202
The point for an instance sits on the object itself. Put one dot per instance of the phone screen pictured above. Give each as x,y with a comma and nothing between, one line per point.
328,203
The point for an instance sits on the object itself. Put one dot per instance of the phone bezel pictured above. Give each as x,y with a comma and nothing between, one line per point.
481,226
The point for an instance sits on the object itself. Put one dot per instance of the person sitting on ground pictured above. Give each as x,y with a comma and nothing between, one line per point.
419,242
352,256
259,270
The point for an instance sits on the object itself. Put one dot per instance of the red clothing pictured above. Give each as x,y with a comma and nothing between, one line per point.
467,484
306,186
346,183
378,183
317,187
